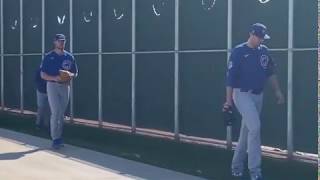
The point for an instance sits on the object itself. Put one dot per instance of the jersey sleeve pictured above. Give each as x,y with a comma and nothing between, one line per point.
233,68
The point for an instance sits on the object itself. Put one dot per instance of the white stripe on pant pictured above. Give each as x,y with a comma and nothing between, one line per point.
58,96
249,105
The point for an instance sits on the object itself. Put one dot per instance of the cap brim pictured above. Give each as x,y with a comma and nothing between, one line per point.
266,36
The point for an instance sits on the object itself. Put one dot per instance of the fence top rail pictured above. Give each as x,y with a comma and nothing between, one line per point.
158,52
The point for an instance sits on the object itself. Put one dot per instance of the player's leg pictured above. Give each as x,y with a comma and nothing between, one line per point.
47,112
54,102
254,167
241,150
240,153
251,117
258,100
41,108
64,100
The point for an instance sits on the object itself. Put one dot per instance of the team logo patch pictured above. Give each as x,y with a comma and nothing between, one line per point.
264,61
66,64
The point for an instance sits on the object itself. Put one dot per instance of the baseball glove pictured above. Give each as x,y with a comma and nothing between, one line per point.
65,76
228,115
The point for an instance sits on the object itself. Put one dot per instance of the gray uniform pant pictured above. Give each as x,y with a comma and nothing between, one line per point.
43,111
58,96
249,105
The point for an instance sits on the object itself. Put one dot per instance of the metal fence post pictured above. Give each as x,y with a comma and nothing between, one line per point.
290,80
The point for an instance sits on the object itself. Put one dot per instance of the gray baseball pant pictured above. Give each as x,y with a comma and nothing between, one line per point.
58,96
249,105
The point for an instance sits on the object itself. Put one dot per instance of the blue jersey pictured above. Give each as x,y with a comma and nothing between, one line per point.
249,68
54,62
41,83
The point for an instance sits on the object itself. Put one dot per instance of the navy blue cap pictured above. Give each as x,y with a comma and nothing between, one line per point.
60,37
259,30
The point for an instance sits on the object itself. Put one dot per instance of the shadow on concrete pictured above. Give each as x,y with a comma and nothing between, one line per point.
107,162
17,155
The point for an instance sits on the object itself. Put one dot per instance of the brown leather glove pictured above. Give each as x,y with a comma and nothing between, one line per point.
65,76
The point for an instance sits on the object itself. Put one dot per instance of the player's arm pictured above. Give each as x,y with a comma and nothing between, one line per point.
232,76
44,68
273,79
274,83
229,92
276,88
74,68
47,77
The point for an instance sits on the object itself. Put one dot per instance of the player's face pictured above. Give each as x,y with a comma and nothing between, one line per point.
256,41
59,44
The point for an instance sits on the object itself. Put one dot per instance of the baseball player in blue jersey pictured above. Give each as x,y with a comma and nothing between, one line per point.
250,67
43,109
58,89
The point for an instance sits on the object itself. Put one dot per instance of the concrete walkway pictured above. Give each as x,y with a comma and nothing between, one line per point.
31,158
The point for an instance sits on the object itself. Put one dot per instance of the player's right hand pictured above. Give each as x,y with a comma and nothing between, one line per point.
226,106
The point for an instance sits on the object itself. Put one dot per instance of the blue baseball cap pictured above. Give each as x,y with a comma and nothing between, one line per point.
60,37
259,30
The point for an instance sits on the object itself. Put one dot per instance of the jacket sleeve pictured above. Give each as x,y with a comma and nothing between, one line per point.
233,68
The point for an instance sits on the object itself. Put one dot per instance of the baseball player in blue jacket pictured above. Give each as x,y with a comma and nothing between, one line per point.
250,67
58,90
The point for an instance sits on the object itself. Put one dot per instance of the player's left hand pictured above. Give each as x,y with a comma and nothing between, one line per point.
65,76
